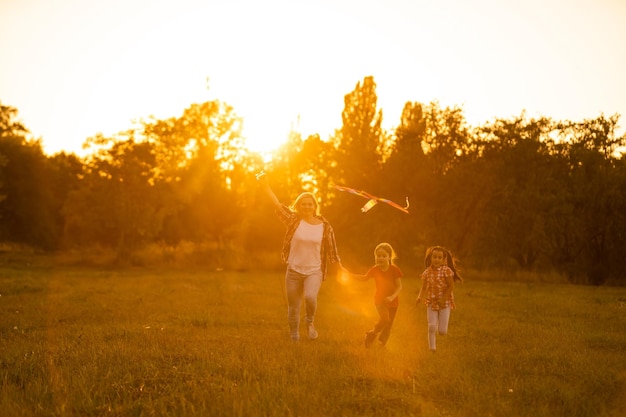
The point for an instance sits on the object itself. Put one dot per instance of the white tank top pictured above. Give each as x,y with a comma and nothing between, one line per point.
305,250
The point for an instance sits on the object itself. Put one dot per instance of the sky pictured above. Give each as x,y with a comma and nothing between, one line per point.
74,68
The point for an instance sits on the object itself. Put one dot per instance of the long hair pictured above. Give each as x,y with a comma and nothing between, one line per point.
449,257
387,248
302,196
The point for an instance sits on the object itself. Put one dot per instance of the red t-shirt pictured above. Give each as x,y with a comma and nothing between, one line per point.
385,283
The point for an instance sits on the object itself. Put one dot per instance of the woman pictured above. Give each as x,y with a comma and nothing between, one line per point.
308,247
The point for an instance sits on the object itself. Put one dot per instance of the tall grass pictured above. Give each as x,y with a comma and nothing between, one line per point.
177,342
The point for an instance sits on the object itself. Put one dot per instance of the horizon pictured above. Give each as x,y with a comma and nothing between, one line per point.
73,69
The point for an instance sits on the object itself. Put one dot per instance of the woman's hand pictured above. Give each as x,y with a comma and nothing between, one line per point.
342,269
261,177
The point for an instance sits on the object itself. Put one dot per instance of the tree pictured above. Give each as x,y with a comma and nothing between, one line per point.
65,174
447,143
10,130
200,154
119,202
26,202
407,173
593,227
446,136
360,139
522,188
357,162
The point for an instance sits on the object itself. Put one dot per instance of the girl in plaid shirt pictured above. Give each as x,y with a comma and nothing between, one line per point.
308,247
436,291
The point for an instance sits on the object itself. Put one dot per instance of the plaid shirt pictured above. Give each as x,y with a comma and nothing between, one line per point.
436,285
291,220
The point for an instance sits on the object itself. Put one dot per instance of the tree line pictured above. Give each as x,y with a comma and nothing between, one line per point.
521,193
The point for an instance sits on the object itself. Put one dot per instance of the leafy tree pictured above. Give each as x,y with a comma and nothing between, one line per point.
446,137
317,158
201,155
447,141
65,174
618,234
360,139
595,201
287,168
10,130
357,163
210,130
26,201
407,173
521,189
10,126
118,203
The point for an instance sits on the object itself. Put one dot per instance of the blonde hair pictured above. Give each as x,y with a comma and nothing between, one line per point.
387,248
302,196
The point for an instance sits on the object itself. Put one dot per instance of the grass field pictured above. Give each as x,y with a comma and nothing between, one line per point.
157,342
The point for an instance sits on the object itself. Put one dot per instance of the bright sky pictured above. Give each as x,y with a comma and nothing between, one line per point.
74,68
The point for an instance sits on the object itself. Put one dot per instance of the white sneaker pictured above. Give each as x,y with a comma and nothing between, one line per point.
312,332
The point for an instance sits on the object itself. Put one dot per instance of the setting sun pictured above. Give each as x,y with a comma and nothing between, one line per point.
75,68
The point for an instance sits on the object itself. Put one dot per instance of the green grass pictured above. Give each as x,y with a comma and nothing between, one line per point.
174,342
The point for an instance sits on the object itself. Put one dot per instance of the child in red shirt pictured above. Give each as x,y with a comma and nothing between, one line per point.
387,277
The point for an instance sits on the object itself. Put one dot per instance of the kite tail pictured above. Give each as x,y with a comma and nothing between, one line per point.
368,206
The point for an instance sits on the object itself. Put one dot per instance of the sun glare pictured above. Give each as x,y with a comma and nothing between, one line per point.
286,66
343,278
275,83
264,133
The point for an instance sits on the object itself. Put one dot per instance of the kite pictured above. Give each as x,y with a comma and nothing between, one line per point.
373,200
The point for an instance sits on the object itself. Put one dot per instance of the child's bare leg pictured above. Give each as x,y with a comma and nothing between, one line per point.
433,318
